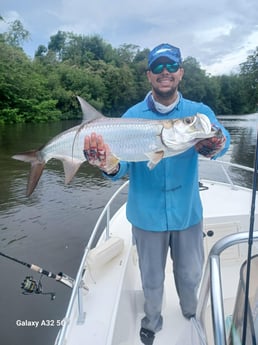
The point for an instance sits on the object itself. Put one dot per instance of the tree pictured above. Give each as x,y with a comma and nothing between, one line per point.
41,51
120,89
194,82
249,76
57,44
127,53
16,34
111,79
24,95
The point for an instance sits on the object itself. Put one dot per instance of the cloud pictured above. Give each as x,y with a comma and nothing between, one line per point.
218,34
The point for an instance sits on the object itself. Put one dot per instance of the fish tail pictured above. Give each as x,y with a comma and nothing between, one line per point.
36,170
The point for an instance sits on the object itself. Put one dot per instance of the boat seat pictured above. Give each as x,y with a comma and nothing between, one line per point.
105,252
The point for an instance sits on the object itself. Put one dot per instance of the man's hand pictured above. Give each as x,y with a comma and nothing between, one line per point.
98,154
211,146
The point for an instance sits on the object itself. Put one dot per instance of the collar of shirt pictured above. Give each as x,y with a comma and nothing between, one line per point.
159,108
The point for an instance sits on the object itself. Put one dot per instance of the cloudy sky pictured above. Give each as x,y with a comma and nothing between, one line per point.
219,34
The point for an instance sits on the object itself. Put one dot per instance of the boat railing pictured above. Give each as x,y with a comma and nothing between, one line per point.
78,283
212,286
223,166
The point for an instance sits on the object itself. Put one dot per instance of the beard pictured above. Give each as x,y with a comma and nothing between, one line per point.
165,94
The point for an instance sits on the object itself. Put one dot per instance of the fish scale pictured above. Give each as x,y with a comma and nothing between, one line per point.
131,140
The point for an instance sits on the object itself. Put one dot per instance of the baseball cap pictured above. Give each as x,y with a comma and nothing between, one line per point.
165,50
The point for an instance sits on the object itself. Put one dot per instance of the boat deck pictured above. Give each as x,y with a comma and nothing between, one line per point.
113,304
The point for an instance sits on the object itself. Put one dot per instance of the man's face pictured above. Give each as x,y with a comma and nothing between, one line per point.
165,84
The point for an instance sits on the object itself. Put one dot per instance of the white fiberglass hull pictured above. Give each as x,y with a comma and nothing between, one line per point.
112,297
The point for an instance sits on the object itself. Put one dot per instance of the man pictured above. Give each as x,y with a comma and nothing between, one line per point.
164,205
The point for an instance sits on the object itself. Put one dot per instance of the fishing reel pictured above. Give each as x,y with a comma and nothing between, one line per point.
31,286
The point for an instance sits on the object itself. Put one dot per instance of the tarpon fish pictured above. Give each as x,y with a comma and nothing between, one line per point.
131,140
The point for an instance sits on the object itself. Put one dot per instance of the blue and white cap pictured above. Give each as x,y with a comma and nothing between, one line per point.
165,50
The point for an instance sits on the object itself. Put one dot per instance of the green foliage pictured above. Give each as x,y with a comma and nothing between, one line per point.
25,96
111,79
233,94
249,76
16,34
194,83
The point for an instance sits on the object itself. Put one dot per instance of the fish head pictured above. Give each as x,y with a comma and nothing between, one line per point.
177,133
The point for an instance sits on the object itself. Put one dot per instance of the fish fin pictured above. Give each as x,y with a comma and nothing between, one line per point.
35,174
28,156
89,113
154,158
36,170
71,166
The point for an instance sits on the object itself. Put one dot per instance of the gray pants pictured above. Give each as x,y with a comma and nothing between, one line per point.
186,251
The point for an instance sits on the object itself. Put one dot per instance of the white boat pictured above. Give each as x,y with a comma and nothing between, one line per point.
106,303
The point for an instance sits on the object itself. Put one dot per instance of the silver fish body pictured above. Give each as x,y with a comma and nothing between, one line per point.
130,140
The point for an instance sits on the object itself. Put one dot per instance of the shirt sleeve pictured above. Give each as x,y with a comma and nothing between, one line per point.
123,170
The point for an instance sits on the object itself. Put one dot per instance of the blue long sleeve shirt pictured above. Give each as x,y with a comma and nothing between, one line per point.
167,197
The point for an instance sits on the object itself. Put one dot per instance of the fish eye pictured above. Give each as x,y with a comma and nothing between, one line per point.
189,120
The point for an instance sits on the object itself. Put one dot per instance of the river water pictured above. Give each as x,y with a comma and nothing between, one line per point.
52,227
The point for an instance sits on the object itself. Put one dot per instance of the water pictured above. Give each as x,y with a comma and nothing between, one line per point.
52,227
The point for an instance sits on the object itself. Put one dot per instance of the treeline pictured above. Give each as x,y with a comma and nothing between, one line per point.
111,79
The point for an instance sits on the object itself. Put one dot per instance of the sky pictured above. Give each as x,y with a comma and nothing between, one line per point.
218,34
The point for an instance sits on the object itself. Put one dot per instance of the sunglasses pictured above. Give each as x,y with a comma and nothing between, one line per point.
170,67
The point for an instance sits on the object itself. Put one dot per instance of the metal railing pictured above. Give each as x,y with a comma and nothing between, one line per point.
78,283
212,283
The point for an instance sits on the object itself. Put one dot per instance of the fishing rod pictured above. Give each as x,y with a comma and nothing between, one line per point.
29,285
250,243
